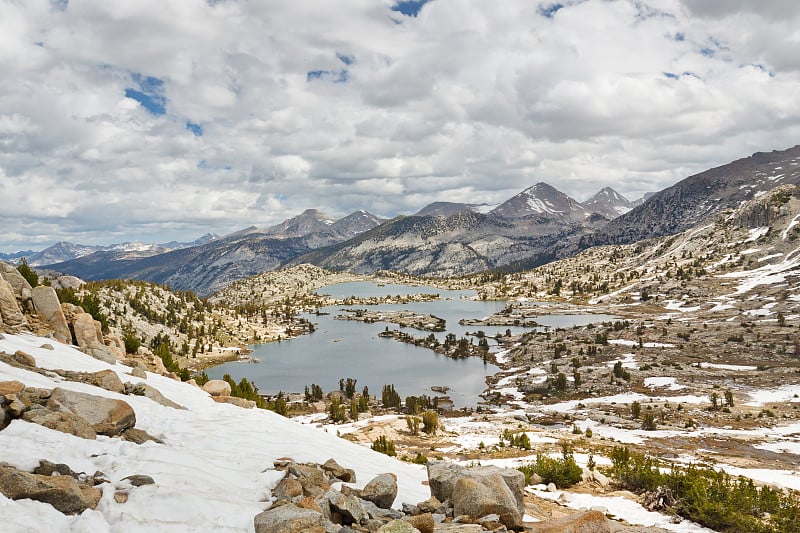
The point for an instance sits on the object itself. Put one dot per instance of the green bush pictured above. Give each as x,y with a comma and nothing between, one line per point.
30,276
430,422
384,445
564,471
709,497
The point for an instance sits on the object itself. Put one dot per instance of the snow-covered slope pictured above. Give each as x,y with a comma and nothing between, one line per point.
608,203
213,471
541,199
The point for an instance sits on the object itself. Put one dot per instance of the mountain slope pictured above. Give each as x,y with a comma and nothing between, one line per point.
462,243
691,200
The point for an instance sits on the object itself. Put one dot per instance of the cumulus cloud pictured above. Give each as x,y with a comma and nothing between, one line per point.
124,120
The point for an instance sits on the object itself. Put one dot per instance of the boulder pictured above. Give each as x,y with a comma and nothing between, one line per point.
381,490
24,358
46,303
349,507
585,522
217,387
348,475
10,312
443,475
62,421
17,282
431,505
139,480
88,340
287,488
62,492
106,379
287,519
477,497
148,391
107,416
11,387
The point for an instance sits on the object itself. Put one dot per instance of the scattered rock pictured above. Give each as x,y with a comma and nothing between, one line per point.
120,497
47,346
217,387
348,475
62,492
107,416
46,468
381,490
139,372
287,519
138,480
24,358
138,436
309,503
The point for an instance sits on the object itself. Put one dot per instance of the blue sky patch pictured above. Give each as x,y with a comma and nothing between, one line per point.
409,8
336,76
548,11
347,60
708,52
150,94
197,129
670,75
679,37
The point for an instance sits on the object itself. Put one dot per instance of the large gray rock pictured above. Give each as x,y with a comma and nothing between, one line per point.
89,339
398,526
477,497
287,519
63,421
10,312
349,507
381,490
47,305
62,492
443,475
107,416
217,387
17,281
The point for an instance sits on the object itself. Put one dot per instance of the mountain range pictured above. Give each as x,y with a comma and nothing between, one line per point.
536,226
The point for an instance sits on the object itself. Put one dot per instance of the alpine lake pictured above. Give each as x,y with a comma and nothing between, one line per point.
352,349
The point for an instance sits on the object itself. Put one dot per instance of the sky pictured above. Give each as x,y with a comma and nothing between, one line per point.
125,120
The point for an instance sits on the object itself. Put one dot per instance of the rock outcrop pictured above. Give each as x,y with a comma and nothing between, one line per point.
46,303
10,312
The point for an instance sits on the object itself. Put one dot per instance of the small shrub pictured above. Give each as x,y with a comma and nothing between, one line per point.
384,445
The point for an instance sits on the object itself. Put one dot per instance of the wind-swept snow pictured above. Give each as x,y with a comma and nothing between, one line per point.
214,471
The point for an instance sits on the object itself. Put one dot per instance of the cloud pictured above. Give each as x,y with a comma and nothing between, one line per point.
158,121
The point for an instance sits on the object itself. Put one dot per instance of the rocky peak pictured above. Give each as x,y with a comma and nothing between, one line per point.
542,199
609,203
